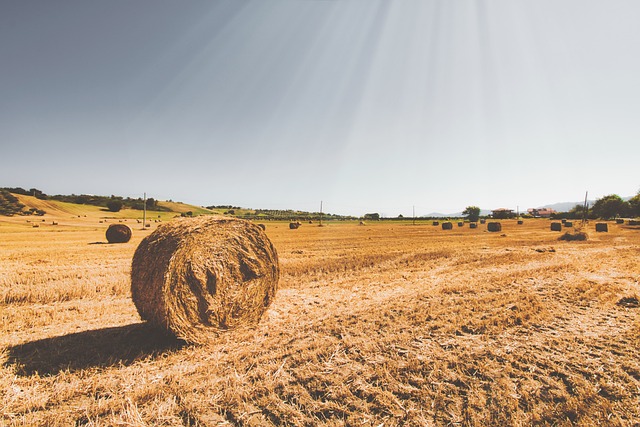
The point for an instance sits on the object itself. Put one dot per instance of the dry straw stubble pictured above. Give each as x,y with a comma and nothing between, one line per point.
195,277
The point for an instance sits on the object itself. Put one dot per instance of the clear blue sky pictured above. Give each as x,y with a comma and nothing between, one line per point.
368,105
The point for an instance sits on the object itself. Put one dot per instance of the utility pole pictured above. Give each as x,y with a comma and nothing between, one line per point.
585,209
144,211
414,214
320,213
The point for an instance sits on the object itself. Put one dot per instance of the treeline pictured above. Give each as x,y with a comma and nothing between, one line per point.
112,203
273,214
607,207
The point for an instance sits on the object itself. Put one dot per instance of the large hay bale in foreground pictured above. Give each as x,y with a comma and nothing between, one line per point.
194,277
118,233
494,226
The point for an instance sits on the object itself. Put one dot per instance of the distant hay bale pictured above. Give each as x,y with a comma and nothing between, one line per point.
494,226
563,220
118,233
520,222
634,222
461,224
362,223
294,225
602,227
556,226
619,221
568,224
578,235
482,221
435,223
473,225
447,226
195,277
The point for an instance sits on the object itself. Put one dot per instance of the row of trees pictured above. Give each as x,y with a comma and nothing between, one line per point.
611,206
607,207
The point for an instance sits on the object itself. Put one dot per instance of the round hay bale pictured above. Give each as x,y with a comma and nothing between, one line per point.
520,222
473,225
482,221
435,223
447,226
195,277
461,224
118,233
619,221
556,226
568,224
602,227
293,225
494,226
563,220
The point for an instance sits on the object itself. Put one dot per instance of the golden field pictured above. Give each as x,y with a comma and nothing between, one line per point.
387,324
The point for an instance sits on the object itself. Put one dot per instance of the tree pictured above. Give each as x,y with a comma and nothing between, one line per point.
372,216
472,213
610,206
151,203
114,205
634,205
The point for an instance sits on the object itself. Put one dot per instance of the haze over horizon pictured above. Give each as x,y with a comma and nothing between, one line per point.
367,105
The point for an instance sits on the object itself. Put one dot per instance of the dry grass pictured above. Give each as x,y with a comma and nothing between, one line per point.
383,324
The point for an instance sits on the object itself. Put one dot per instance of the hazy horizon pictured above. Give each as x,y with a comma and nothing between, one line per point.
369,106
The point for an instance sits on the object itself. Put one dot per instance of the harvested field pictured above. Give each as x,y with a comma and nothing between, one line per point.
384,324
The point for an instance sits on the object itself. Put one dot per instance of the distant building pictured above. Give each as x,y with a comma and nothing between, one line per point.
541,212
502,213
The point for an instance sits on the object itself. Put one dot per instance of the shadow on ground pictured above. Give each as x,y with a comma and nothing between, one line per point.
97,348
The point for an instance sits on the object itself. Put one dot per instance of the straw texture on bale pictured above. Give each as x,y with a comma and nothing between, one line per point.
556,226
118,233
494,226
602,227
194,277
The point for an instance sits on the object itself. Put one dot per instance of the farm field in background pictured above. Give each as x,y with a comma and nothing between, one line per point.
383,324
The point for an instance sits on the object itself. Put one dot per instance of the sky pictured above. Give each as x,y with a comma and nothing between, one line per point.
366,105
